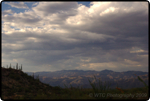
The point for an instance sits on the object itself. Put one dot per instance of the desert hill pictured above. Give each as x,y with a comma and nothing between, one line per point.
17,84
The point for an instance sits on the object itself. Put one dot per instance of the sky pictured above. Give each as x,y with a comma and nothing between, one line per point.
52,36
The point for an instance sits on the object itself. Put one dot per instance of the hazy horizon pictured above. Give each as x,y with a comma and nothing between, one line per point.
54,36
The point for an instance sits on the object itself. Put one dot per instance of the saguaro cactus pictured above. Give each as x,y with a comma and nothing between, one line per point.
21,67
17,66
10,65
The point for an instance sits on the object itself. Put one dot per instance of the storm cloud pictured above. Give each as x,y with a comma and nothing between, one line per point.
66,35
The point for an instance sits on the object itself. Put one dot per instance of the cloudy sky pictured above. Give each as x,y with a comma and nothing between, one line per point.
50,36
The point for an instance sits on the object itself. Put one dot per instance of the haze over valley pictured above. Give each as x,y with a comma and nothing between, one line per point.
80,78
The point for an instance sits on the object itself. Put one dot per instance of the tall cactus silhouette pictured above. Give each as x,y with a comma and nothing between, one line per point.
10,65
21,67
17,66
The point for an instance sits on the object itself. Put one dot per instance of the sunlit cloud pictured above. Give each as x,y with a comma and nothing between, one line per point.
17,5
67,35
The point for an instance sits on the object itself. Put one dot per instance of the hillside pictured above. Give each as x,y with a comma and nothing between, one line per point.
18,85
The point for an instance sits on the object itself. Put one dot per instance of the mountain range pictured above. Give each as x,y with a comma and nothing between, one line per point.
80,78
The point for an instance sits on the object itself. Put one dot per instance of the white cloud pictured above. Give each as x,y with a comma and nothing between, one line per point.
138,51
65,35
7,12
17,5
35,4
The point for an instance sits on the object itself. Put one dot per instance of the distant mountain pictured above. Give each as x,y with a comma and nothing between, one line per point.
106,71
126,79
18,85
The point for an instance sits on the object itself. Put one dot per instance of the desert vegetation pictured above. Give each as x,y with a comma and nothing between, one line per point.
18,85
17,68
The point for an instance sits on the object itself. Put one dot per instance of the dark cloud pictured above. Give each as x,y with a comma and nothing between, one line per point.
117,40
22,19
59,7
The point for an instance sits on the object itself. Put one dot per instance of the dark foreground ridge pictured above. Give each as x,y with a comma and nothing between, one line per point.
18,85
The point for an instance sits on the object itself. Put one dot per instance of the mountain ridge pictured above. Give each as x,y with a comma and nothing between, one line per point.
80,77
16,84
86,70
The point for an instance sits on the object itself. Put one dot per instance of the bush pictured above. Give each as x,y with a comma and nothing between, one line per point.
56,88
100,86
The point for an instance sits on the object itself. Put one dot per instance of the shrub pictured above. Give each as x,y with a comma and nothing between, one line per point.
99,86
142,81
56,88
